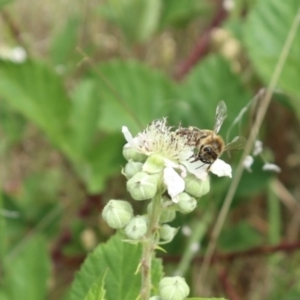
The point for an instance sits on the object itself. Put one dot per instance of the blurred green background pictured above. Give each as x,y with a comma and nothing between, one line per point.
73,72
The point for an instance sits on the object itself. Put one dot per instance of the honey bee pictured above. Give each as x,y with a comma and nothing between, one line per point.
208,144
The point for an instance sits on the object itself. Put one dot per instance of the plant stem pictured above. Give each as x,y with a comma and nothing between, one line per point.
149,246
198,231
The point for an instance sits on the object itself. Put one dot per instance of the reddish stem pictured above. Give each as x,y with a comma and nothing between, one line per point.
202,45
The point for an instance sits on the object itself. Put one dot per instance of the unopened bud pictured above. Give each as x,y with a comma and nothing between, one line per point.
117,213
136,228
196,187
142,186
167,233
173,288
186,203
132,168
130,154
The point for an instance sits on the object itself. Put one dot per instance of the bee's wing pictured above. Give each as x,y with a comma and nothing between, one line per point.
237,143
221,114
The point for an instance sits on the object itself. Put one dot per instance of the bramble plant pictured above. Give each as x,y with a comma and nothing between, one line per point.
73,75
161,168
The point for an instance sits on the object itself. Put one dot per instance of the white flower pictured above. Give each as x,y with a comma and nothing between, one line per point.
248,161
174,183
258,147
271,167
175,153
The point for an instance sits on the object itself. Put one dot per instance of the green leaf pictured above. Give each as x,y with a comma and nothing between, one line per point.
135,92
97,290
102,161
64,43
4,2
178,12
27,275
209,83
38,93
84,116
120,261
265,34
137,19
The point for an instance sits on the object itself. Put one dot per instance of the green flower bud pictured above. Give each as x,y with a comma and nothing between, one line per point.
142,186
173,288
136,228
154,164
186,203
132,168
167,233
130,154
195,186
167,215
117,213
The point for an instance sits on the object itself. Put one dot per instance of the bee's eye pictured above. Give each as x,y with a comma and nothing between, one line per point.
208,150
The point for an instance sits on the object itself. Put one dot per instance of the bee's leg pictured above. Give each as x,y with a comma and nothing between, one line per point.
201,166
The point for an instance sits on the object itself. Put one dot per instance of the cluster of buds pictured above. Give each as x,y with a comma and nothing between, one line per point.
162,170
160,163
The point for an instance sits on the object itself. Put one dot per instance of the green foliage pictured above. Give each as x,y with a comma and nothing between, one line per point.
81,114
38,93
26,276
97,290
137,19
135,93
177,12
64,43
207,84
244,233
4,2
265,32
119,261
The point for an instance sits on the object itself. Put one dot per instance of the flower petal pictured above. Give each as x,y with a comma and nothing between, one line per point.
128,136
248,161
271,167
221,168
174,183
198,168
171,164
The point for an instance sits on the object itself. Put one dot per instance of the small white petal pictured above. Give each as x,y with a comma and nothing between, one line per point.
271,167
198,168
171,164
248,162
128,136
258,147
174,183
221,168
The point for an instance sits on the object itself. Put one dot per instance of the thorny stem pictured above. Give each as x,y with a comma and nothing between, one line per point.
239,171
149,246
